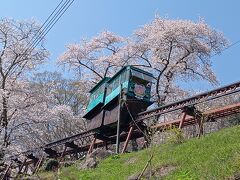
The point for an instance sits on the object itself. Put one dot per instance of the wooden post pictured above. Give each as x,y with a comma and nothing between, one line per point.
38,164
25,169
62,154
5,176
106,144
21,167
182,120
127,139
118,122
91,146
200,124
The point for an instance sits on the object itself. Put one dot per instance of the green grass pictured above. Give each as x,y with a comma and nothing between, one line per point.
215,156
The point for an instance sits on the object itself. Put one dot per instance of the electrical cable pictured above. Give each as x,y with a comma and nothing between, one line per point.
52,22
34,38
52,19
131,116
228,47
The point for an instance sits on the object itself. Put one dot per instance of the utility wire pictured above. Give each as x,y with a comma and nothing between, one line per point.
228,47
42,28
133,120
52,19
52,22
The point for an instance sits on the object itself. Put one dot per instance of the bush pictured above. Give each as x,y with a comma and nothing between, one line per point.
175,136
51,165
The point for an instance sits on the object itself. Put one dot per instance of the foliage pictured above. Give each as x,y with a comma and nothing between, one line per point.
173,50
38,109
51,165
64,91
175,136
16,61
115,156
45,107
214,156
185,175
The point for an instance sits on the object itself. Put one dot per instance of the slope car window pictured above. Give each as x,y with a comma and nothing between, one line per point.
123,77
116,83
141,76
109,88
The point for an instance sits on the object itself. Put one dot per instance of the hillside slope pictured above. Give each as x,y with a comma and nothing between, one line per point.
214,156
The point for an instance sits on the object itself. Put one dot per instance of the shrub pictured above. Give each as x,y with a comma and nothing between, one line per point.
51,165
175,136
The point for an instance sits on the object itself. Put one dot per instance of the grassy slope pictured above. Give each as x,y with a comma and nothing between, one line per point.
215,156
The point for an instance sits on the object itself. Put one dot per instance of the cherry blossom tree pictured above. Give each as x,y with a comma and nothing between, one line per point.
173,50
16,60
49,114
64,91
94,59
57,112
42,125
26,107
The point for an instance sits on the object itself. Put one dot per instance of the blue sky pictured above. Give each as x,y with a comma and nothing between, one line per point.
85,19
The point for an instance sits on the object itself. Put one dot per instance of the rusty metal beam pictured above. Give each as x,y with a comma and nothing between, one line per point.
127,139
212,114
91,146
6,174
62,154
38,164
21,167
182,120
83,135
189,120
204,97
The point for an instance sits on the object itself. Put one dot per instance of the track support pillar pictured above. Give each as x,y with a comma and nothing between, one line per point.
127,139
7,174
91,146
182,120
38,164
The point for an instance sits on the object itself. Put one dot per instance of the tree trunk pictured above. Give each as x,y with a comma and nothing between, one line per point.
4,115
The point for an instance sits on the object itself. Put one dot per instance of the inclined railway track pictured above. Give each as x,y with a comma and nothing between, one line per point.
85,138
200,98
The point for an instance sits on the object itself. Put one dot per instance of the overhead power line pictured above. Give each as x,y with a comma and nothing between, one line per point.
231,45
52,19
38,34
228,47
52,22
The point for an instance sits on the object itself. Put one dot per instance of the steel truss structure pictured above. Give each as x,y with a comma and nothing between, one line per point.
87,141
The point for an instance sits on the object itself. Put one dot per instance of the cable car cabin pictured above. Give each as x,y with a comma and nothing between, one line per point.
103,108
94,109
135,86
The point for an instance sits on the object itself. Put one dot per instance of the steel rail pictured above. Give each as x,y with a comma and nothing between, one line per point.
74,137
84,134
200,98
211,115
